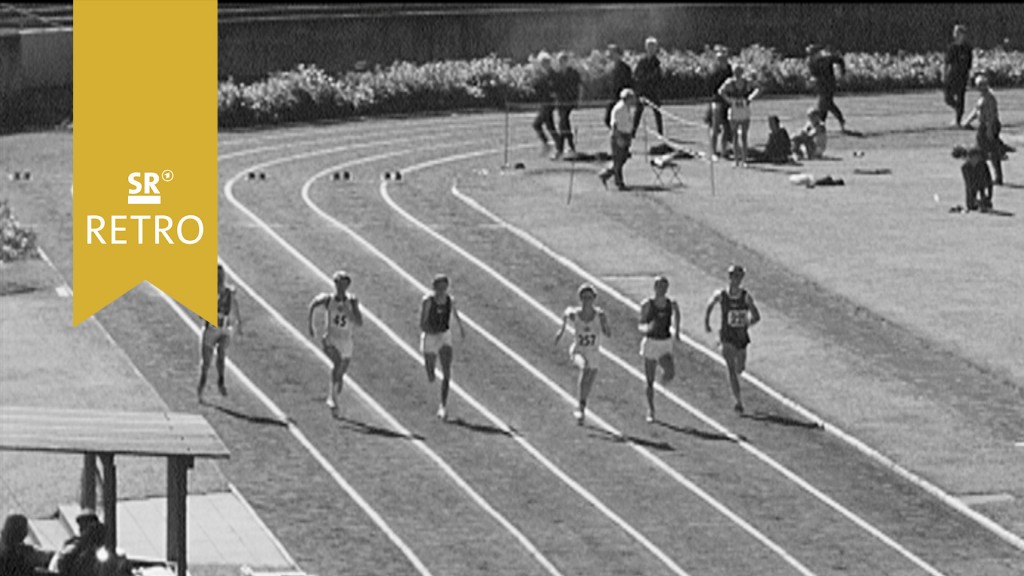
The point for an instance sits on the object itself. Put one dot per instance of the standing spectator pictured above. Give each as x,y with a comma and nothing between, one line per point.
987,113
568,90
822,62
718,111
622,78
778,148
647,77
977,181
621,138
811,141
956,71
16,557
544,87
739,92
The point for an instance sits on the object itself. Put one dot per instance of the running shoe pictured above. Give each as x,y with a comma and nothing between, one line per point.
442,413
578,415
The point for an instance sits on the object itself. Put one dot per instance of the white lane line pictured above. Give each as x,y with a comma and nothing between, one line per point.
367,398
950,500
297,433
658,462
468,398
757,453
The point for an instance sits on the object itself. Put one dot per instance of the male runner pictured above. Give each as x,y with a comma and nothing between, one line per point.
436,312
656,318
739,313
219,337
589,323
342,311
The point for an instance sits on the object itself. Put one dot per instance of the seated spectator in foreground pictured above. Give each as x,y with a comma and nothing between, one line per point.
977,179
78,556
778,150
16,557
810,143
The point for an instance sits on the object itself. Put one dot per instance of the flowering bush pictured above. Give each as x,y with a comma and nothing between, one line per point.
308,93
19,243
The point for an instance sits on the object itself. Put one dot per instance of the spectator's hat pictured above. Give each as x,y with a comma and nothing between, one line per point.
981,80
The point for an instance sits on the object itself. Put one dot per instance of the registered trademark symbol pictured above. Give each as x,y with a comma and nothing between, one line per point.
167,175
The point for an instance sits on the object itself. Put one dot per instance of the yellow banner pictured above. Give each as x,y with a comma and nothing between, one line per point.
145,151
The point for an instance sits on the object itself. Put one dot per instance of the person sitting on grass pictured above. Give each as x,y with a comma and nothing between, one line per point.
811,141
778,149
977,179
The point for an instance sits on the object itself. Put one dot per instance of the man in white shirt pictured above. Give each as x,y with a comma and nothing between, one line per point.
621,137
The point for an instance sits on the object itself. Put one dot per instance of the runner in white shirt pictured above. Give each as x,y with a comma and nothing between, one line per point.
342,312
589,324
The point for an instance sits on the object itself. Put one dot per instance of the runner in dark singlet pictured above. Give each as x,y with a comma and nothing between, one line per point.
656,318
739,314
436,312
218,337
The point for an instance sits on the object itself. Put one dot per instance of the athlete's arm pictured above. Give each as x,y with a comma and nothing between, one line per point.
424,311
643,326
565,321
236,310
357,314
678,318
604,323
711,306
755,314
455,314
754,94
319,300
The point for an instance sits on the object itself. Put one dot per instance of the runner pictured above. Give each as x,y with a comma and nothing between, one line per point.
589,323
436,312
739,313
219,337
656,317
342,312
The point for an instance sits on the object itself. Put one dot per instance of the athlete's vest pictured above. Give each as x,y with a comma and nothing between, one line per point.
338,321
735,318
438,315
224,307
588,333
660,320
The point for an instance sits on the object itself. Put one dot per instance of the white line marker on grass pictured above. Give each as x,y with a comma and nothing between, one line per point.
952,501
353,385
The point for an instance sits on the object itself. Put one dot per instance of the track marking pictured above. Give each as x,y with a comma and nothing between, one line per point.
757,453
550,383
950,500
369,400
297,433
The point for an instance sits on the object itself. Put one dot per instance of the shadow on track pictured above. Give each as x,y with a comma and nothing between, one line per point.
626,438
247,417
364,428
482,428
690,431
782,420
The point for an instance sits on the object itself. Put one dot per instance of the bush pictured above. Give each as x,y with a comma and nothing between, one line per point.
19,243
308,93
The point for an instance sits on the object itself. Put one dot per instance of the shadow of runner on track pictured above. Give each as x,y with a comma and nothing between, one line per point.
482,428
243,416
364,428
690,431
624,438
782,420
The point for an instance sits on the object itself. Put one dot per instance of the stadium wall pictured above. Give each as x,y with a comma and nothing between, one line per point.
36,77
341,38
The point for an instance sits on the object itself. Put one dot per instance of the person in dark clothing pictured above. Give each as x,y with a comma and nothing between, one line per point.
779,147
544,86
647,78
989,126
956,72
821,63
622,78
16,557
568,88
717,117
79,556
977,181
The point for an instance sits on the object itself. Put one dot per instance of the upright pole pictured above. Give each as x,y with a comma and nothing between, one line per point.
711,166
109,500
572,167
177,490
87,497
505,165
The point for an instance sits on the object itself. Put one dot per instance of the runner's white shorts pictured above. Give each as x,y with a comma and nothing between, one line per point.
653,349
432,343
213,335
585,357
343,345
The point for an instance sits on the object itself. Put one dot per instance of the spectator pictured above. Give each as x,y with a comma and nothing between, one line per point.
16,557
647,77
778,150
621,137
811,141
568,90
977,180
956,72
822,62
78,556
622,78
987,113
718,110
544,87
739,92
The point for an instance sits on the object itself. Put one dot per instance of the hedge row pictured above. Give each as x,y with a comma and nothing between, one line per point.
308,93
